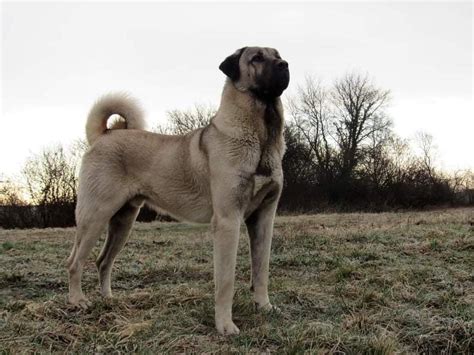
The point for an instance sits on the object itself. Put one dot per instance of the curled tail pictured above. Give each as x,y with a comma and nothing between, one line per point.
108,105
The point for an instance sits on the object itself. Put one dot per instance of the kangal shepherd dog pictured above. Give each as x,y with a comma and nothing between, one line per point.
223,173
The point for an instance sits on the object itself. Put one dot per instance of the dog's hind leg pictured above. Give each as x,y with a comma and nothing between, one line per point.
88,231
92,218
119,230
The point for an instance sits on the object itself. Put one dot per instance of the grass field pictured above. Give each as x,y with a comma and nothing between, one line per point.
346,283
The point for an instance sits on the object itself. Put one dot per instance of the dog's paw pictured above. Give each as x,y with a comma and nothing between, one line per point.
107,294
267,307
227,328
80,302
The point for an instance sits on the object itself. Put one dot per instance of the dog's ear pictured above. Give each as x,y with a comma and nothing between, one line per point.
230,65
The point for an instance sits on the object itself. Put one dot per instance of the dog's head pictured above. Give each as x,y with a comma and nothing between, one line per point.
259,70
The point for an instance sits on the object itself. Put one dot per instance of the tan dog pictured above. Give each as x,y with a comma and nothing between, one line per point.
223,173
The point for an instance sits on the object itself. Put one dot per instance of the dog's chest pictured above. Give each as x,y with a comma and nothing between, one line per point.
268,170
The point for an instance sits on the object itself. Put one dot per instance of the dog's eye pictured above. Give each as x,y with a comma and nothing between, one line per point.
258,58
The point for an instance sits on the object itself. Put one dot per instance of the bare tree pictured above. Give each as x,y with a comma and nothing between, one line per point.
311,116
184,121
376,162
428,152
51,181
359,113
345,128
11,193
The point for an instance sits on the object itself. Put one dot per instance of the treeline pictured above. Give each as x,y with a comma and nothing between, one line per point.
342,155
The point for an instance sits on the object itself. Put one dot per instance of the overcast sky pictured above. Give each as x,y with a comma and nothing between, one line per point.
57,58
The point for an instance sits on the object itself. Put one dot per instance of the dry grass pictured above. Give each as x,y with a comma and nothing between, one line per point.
347,283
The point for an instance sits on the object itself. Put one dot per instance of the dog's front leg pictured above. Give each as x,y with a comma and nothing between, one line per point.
260,229
226,238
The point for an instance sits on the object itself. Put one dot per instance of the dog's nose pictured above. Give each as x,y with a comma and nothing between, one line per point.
282,64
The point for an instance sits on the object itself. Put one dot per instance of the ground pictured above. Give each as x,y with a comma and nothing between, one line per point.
346,283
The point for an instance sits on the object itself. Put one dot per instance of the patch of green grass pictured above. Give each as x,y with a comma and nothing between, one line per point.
346,283
5,246
435,245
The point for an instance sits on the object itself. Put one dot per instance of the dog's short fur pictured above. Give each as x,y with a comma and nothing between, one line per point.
223,173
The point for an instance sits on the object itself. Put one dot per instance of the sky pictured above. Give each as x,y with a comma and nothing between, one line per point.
57,58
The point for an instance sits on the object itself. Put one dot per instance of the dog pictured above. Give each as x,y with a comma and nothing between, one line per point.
224,173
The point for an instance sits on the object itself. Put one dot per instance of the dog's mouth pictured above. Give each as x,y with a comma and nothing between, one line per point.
281,81
274,86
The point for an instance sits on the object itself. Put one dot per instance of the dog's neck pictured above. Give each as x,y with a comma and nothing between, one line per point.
264,118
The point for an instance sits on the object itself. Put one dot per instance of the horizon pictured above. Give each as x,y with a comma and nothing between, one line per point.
54,67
